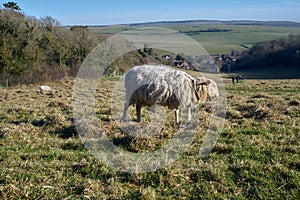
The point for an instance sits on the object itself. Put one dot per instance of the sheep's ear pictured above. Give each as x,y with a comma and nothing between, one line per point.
207,82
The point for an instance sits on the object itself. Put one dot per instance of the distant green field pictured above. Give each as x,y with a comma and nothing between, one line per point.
235,37
276,72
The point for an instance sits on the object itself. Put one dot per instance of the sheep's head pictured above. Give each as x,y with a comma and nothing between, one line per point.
201,89
205,88
213,91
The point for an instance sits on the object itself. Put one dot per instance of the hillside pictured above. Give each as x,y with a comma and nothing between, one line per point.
70,141
278,58
219,22
257,154
36,50
217,37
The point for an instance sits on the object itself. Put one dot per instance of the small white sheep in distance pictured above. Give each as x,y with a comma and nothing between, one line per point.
150,85
44,88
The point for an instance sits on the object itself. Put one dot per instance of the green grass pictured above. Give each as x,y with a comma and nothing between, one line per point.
220,42
256,156
275,72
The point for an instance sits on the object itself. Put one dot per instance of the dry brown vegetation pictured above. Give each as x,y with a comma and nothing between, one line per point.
256,156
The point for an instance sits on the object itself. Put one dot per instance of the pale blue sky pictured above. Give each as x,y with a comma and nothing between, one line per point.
88,12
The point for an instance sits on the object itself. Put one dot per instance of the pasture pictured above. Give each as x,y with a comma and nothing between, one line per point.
256,156
223,39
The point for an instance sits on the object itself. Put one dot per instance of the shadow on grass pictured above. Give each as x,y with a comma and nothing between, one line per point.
123,142
39,123
66,132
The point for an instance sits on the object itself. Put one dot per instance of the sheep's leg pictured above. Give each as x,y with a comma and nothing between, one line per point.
126,105
177,116
189,114
138,112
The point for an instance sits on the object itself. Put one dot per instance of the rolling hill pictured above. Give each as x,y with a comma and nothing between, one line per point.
220,22
215,36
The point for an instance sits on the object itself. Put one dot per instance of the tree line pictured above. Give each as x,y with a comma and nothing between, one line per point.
37,50
278,52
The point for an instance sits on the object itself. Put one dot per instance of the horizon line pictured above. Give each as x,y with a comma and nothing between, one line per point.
183,20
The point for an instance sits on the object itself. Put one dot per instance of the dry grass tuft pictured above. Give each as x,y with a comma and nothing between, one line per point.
260,95
294,103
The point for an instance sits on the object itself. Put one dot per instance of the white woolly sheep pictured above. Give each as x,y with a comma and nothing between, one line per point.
150,85
44,88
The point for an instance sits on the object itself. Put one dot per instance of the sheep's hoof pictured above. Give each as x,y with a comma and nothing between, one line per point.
182,125
188,125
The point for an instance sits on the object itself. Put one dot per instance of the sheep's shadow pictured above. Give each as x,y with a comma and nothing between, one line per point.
140,129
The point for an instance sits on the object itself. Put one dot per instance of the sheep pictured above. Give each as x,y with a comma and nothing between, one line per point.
44,88
149,85
239,77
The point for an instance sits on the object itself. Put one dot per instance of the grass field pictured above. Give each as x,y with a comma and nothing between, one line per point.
256,156
277,72
219,42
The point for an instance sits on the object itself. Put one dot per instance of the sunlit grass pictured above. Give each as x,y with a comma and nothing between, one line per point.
256,156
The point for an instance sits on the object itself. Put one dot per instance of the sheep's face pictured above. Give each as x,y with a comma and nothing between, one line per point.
213,91
201,89
205,88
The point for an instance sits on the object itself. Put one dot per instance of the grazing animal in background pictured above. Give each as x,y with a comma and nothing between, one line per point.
150,85
239,77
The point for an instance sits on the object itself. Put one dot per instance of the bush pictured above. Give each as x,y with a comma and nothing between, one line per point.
284,51
36,50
